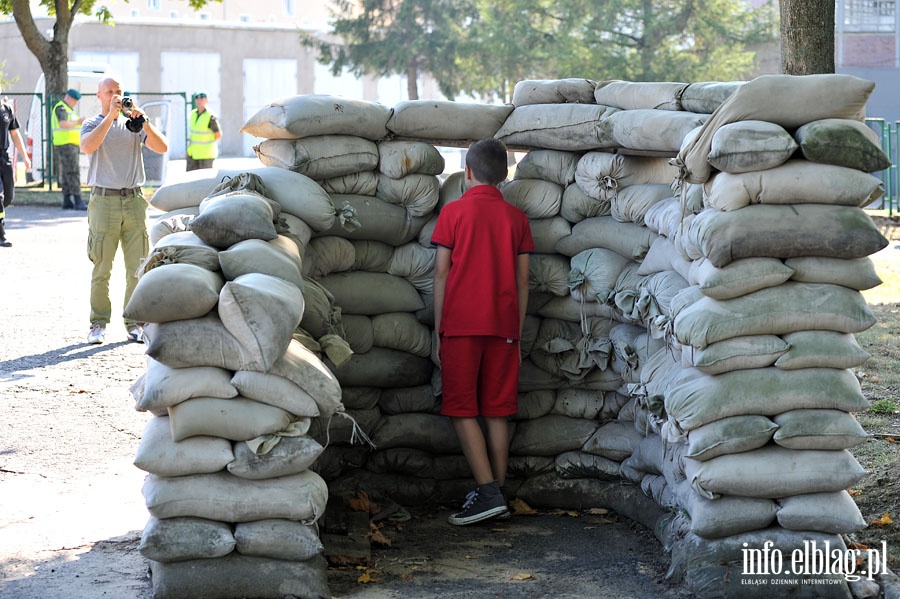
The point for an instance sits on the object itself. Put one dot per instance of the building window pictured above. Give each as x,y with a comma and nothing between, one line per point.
290,7
135,12
871,16
153,4
173,14
244,18
204,16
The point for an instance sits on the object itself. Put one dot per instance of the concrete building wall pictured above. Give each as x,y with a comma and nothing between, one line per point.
232,43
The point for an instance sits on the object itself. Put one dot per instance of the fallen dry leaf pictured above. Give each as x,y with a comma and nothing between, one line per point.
890,439
598,511
883,521
570,513
367,577
362,503
377,537
522,576
471,556
520,508
854,492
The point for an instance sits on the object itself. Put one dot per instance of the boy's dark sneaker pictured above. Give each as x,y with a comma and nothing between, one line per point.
505,492
484,503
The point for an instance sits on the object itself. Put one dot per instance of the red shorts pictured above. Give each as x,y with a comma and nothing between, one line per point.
480,376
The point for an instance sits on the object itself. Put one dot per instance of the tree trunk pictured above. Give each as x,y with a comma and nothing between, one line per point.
412,80
807,37
52,55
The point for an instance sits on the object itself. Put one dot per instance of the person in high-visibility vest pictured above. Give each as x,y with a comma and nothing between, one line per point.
203,146
65,125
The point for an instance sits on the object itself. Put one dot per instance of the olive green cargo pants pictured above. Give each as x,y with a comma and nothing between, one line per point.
114,219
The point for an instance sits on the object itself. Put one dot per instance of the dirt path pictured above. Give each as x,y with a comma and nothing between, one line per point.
71,510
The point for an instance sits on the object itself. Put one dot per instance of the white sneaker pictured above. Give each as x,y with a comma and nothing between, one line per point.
97,334
136,335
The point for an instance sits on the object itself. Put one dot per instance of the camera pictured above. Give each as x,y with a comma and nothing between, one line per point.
135,123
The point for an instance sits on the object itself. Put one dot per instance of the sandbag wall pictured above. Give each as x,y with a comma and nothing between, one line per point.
689,329
234,396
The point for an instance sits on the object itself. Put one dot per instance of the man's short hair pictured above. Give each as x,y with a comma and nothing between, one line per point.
200,95
488,161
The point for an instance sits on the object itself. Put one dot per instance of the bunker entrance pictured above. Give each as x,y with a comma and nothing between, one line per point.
687,348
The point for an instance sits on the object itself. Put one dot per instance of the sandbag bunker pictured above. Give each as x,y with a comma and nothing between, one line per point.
687,356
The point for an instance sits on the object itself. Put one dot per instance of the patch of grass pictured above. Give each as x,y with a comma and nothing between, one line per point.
879,376
878,493
885,406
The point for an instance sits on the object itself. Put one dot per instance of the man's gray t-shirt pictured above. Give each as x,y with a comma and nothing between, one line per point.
118,162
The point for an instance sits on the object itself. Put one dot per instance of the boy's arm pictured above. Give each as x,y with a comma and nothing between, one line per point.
441,270
522,266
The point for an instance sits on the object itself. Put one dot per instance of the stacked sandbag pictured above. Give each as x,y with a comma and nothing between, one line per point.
382,279
690,321
762,406
233,502
646,118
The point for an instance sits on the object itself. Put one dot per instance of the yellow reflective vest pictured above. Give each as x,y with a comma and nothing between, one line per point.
62,136
202,139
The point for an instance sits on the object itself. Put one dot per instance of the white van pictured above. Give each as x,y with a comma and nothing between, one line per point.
83,76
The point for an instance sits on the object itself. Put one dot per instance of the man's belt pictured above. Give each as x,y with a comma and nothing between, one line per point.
124,192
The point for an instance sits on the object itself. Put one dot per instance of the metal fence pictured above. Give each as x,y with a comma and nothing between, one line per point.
889,134
33,111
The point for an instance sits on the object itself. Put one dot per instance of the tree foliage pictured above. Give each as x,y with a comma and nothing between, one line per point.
4,80
388,37
483,47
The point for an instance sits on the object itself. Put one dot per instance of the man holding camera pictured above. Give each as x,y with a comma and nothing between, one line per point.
117,211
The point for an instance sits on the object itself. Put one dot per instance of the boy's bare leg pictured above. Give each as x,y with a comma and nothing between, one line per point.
474,448
498,447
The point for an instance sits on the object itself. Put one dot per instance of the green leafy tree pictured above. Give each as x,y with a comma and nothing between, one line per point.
495,43
4,81
51,52
671,40
391,37
512,40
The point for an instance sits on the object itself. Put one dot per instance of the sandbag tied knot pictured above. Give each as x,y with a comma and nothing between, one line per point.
594,352
346,215
336,348
241,182
662,327
265,443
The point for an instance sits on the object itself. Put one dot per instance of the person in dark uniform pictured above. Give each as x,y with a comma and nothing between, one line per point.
9,129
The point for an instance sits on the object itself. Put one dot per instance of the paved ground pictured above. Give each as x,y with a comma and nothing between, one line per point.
71,510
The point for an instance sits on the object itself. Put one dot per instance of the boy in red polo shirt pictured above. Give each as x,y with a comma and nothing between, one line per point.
480,294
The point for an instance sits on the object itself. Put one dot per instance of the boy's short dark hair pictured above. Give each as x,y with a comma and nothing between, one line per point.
488,161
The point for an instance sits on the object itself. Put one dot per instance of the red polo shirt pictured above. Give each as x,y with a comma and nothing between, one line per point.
485,235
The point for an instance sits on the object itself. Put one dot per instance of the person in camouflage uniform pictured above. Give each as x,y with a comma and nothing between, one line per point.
66,129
